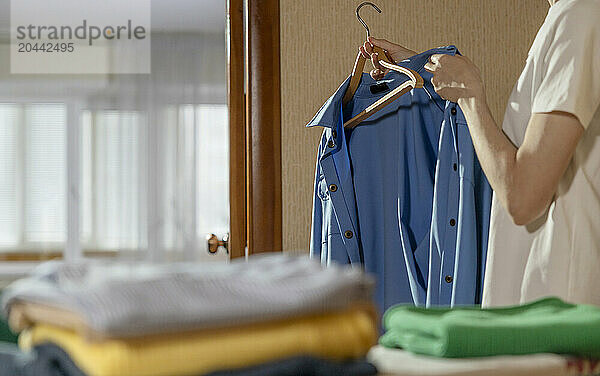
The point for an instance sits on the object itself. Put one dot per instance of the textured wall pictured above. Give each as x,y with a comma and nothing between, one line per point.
319,40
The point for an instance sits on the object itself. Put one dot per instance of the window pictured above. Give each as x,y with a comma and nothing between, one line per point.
32,176
111,190
186,165
128,165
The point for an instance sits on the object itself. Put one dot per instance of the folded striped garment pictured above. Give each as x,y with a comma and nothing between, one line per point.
135,299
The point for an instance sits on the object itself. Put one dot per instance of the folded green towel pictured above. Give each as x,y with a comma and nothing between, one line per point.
545,326
6,335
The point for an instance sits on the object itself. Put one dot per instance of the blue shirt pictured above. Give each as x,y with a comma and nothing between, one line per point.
402,194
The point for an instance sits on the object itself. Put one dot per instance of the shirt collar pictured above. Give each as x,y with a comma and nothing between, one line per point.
329,111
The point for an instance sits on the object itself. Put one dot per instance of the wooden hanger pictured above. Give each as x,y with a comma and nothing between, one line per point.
415,80
359,64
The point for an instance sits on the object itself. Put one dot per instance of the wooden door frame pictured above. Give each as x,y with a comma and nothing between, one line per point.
255,124
237,128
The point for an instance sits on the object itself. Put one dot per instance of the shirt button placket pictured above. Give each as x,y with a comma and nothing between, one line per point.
449,261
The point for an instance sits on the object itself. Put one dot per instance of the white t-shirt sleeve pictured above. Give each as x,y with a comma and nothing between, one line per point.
570,65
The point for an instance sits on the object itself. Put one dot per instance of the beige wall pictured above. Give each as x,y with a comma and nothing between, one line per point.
319,40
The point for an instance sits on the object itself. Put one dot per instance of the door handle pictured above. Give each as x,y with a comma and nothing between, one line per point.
214,243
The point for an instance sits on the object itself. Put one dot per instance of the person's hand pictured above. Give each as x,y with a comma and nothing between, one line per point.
455,77
395,51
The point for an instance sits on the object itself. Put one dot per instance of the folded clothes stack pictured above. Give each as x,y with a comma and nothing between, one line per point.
545,337
182,319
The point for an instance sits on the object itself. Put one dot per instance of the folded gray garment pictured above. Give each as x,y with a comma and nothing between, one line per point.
128,299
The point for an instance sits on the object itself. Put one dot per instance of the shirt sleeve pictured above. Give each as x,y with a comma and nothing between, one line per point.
570,65
317,216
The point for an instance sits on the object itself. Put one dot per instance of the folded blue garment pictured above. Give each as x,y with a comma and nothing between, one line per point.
304,366
44,360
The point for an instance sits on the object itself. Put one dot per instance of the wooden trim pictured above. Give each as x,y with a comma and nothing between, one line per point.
53,255
263,132
237,129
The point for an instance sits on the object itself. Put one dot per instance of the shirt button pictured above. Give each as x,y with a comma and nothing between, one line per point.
330,144
333,188
453,111
452,222
348,234
449,279
334,134
455,167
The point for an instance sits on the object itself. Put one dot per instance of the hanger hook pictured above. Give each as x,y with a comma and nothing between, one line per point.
361,20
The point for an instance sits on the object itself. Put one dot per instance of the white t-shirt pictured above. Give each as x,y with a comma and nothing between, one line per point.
558,254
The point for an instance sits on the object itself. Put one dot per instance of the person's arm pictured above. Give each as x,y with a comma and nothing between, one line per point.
525,179
565,101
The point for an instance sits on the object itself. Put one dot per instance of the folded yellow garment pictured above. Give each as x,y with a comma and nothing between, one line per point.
335,336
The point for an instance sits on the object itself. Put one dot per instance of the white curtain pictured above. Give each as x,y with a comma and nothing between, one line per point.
136,164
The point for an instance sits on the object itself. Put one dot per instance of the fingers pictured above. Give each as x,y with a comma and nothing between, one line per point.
436,82
375,61
433,63
363,52
384,44
435,58
377,74
429,67
379,70
368,48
